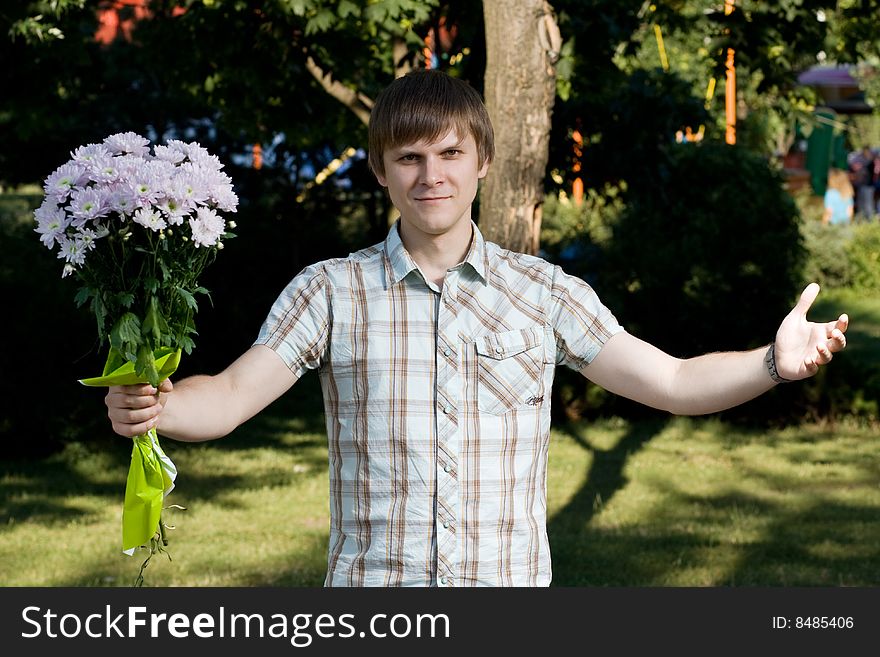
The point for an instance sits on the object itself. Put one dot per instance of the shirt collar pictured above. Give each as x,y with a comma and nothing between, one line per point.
399,263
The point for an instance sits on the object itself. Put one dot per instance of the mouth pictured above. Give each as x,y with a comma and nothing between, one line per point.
431,199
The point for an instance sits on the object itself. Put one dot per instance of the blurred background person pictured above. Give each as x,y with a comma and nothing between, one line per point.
863,166
838,198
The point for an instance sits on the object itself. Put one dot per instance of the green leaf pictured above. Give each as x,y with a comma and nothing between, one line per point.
100,311
299,7
125,299
166,272
155,325
347,8
146,365
82,296
126,336
320,22
188,298
187,344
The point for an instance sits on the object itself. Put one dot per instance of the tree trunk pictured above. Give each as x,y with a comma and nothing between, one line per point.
522,46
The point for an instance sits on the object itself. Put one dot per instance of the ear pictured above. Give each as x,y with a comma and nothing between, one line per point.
483,170
382,179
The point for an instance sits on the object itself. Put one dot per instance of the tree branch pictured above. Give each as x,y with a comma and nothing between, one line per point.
356,101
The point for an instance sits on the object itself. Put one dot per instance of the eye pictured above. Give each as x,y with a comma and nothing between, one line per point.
408,157
453,152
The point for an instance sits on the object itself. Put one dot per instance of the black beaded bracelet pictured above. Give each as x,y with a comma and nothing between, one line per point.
770,362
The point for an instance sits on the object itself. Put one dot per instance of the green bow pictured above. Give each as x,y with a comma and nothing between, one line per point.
151,473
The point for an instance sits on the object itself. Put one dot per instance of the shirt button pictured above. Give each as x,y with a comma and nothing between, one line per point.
498,350
445,524
447,467
447,409
443,580
448,352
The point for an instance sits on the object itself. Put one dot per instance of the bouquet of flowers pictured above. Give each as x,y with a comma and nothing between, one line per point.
137,228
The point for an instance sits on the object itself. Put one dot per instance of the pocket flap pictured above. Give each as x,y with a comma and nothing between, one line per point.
510,343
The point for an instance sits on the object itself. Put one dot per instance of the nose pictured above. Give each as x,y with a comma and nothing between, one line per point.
432,171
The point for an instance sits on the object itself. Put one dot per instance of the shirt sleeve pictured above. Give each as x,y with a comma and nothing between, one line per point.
298,325
581,323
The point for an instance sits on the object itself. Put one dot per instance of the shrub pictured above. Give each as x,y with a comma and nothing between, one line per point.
843,256
710,261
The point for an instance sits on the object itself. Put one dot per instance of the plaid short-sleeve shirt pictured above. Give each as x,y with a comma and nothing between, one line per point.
438,407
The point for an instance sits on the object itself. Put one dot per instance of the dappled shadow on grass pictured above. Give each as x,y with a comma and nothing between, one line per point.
604,479
305,566
38,490
805,517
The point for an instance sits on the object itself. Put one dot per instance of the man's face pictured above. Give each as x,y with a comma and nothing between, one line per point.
433,184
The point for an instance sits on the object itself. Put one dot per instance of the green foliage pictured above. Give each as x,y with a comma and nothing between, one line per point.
46,343
563,222
842,256
865,128
156,275
38,20
711,260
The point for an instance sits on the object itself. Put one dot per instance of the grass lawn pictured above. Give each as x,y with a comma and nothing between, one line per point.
673,502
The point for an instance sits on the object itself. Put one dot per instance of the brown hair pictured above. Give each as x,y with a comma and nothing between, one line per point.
424,105
839,179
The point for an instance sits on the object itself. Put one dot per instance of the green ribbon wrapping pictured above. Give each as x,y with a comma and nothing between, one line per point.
151,474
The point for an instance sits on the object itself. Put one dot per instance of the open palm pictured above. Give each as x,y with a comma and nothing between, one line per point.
802,346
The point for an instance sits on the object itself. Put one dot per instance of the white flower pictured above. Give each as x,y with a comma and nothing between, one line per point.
128,165
150,218
173,209
86,155
195,151
202,158
177,145
52,221
189,186
127,142
72,251
86,237
160,169
88,204
122,200
103,171
225,199
147,189
168,154
207,227
63,179
68,270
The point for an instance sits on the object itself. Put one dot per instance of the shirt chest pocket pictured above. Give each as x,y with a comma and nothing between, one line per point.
511,367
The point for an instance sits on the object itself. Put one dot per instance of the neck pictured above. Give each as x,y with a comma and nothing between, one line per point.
435,254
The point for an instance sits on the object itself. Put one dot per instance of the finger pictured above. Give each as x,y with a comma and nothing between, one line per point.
137,416
131,430
825,354
134,424
122,400
166,386
837,341
808,296
843,322
136,389
811,366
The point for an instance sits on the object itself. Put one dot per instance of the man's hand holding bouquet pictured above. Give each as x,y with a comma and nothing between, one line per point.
137,228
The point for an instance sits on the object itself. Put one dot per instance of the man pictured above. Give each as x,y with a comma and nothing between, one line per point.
436,352
863,165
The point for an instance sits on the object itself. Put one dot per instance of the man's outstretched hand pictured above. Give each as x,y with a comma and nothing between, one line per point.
802,346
